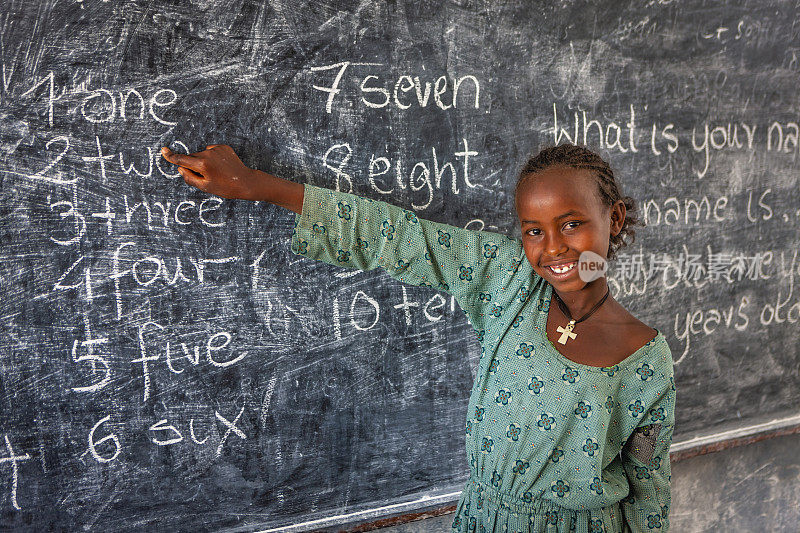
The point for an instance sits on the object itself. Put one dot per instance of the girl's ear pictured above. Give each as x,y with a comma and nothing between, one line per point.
617,217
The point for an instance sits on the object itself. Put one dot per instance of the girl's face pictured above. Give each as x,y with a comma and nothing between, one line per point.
561,215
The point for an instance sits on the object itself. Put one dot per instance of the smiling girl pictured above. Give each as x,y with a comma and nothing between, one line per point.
572,412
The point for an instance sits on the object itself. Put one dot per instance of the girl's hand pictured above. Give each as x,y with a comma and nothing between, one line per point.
217,170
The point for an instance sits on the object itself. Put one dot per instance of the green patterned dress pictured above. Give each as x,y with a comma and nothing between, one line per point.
552,445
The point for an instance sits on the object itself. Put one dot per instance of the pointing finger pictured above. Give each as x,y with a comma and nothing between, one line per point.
182,160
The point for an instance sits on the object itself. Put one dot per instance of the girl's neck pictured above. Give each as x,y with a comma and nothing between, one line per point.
582,301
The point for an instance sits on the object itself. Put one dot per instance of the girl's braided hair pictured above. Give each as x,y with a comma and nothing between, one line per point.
580,157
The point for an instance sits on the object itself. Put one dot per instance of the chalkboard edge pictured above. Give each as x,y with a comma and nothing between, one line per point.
779,425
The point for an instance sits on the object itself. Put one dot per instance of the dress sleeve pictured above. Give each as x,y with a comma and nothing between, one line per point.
645,458
347,230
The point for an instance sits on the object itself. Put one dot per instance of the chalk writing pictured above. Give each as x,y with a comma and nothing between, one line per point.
103,105
94,359
215,343
420,176
98,454
706,138
14,461
405,92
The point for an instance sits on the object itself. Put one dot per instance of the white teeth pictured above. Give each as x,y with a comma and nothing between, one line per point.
562,269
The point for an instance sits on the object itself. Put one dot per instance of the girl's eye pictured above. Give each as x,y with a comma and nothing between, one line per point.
570,224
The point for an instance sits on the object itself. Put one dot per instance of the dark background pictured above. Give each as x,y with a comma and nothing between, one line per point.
342,402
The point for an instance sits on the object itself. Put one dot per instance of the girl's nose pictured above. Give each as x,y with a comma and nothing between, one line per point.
554,246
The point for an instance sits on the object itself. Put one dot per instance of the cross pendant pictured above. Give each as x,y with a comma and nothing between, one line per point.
566,332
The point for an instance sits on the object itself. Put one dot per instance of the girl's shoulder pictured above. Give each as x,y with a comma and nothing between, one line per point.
639,335
652,358
635,336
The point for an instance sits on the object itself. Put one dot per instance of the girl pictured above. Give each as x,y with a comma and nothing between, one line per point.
571,415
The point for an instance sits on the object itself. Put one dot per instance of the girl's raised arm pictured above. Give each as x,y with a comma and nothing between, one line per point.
351,231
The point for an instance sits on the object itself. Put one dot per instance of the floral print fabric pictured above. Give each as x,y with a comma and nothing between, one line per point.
552,445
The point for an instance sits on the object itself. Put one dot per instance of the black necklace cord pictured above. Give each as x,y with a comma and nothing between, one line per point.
565,309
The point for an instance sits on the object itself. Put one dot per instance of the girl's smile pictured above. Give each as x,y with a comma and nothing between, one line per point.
563,270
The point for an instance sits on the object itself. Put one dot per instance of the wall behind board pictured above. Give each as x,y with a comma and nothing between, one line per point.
167,362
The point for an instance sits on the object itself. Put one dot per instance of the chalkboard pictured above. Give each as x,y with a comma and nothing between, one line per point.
167,363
